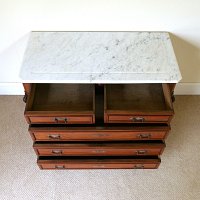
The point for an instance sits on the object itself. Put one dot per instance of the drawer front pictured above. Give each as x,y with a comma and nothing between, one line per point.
114,135
137,119
88,119
81,164
98,166
146,150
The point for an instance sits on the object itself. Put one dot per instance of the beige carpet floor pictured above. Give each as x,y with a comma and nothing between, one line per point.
178,177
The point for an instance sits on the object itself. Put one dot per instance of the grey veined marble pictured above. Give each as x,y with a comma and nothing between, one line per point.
100,57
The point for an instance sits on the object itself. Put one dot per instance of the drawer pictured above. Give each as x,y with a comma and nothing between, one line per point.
99,149
137,103
101,163
61,104
138,118
99,133
61,119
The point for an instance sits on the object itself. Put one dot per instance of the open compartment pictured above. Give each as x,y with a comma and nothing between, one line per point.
61,104
136,103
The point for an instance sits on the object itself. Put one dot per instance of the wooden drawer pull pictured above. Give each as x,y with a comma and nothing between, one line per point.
56,151
139,166
144,135
54,136
137,119
98,151
141,152
59,166
60,119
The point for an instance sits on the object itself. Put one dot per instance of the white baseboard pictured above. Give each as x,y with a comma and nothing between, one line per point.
11,89
187,89
181,89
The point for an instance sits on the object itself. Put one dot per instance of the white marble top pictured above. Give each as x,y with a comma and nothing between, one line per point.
100,57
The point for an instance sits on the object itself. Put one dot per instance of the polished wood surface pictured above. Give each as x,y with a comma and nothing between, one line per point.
61,103
136,103
87,126
99,149
99,133
60,119
103,163
120,118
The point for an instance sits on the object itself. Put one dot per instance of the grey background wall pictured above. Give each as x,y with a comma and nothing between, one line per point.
180,18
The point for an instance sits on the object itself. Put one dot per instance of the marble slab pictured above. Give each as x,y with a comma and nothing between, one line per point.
99,57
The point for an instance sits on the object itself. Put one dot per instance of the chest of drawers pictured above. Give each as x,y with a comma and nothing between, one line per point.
99,100
91,126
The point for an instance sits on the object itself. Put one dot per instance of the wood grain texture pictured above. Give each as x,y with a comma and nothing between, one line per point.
61,103
136,103
107,133
99,149
133,120
103,163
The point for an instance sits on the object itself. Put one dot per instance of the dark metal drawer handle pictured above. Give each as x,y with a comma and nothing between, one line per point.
56,151
141,152
137,119
58,119
54,136
98,151
139,166
59,166
144,135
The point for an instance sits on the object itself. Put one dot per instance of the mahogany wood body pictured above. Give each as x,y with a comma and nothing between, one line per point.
103,163
107,133
77,126
99,149
44,109
155,107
